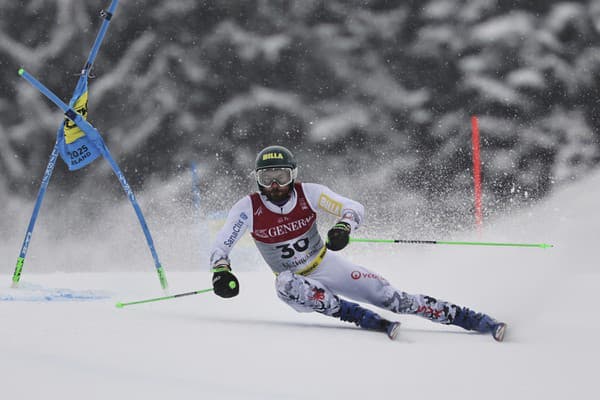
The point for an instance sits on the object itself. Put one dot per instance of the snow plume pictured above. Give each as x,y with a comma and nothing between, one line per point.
99,231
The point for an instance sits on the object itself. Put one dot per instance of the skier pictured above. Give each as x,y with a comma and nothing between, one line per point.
310,276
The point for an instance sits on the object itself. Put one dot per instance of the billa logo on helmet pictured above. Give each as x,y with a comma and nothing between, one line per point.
271,156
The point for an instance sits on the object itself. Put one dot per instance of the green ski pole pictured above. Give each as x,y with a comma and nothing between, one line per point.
404,241
121,305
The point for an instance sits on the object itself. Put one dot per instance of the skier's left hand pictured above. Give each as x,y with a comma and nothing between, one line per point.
338,236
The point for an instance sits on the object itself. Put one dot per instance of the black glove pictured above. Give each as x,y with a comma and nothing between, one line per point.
224,282
338,236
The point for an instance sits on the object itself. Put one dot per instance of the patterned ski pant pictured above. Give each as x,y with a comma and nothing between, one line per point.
336,276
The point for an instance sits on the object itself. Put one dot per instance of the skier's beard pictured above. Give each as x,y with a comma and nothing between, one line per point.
278,194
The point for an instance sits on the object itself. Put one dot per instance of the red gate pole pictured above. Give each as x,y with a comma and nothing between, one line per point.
477,173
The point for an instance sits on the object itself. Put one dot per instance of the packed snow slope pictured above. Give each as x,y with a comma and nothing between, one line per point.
255,347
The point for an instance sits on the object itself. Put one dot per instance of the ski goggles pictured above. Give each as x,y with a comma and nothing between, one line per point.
282,176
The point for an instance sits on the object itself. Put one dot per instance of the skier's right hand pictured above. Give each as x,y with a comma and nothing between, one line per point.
225,284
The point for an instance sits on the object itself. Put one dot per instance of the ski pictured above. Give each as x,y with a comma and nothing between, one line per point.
393,330
499,331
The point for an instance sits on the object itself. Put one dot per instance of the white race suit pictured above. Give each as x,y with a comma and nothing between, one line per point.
308,276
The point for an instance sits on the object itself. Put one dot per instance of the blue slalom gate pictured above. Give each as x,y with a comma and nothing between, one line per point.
79,143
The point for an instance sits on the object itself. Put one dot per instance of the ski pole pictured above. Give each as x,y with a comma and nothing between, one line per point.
404,241
121,305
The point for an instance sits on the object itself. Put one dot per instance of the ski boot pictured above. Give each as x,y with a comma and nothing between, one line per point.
482,323
367,319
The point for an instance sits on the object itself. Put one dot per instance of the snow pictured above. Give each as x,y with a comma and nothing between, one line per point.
495,90
255,347
510,29
338,126
526,78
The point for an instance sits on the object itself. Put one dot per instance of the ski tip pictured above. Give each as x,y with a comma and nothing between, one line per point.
499,331
21,71
119,305
393,330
